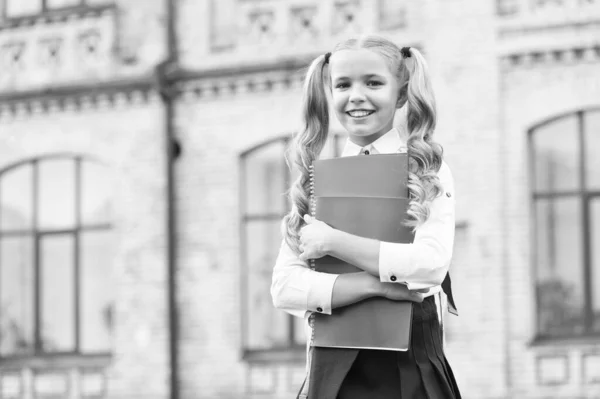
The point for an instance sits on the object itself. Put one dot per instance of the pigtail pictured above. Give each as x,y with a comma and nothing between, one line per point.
425,155
305,147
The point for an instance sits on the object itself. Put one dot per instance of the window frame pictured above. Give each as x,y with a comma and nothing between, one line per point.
293,352
245,218
585,196
37,234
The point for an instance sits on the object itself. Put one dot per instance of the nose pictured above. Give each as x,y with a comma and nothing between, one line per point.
357,95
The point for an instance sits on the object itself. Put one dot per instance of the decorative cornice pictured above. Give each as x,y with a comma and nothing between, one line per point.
56,16
190,84
255,83
72,98
551,57
283,75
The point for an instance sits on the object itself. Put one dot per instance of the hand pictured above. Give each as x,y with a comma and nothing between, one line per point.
399,292
314,238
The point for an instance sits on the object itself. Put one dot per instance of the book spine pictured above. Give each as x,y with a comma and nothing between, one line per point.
313,211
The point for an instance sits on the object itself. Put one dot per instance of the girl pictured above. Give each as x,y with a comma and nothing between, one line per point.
369,78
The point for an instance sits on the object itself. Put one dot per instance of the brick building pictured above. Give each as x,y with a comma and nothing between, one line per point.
142,172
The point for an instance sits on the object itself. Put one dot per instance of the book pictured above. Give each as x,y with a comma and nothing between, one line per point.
364,195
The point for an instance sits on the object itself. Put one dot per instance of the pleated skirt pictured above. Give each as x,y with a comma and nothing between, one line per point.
422,372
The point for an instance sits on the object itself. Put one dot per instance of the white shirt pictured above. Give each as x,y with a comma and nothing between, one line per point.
423,263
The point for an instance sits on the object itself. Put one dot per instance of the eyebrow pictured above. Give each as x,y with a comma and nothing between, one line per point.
367,76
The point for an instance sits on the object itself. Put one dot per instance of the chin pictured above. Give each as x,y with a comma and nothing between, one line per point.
360,131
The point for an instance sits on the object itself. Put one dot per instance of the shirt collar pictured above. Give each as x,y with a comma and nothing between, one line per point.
389,143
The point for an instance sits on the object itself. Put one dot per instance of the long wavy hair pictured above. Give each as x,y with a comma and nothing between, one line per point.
425,155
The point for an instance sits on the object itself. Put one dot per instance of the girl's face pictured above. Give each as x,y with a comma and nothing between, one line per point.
365,94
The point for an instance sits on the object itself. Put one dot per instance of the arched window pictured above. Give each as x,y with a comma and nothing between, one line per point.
565,172
56,257
265,178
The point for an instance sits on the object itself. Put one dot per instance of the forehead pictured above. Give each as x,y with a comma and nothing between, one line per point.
355,63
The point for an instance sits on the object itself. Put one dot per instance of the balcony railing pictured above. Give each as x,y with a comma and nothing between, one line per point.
540,13
68,50
291,25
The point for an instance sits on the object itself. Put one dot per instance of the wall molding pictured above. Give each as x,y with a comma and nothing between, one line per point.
108,95
551,57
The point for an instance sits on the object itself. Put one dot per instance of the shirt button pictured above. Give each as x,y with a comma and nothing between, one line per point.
367,152
393,278
448,195
319,309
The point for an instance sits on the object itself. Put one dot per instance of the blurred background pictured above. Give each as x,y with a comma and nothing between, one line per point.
142,179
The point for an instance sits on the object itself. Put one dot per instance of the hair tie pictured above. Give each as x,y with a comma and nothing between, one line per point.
327,55
405,51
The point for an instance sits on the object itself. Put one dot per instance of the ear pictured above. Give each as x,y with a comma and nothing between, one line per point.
402,96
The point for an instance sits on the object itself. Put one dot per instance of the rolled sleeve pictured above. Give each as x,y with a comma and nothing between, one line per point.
424,262
296,288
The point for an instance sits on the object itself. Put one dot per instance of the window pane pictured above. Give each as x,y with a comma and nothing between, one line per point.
57,293
268,327
56,194
559,266
17,8
16,187
265,180
592,149
96,185
97,255
595,264
62,3
556,155
17,295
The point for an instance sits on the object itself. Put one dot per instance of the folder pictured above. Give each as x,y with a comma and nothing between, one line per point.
365,195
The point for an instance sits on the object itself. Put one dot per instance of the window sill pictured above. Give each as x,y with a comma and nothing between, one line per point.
296,355
540,341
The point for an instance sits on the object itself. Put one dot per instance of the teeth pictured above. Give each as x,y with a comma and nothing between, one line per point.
359,114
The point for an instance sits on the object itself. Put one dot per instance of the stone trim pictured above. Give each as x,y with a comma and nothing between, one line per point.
190,85
202,88
76,98
56,16
551,57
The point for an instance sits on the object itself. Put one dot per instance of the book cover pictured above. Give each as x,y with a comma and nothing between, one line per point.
365,196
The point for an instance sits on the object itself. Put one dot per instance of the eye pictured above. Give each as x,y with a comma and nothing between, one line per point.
342,85
374,83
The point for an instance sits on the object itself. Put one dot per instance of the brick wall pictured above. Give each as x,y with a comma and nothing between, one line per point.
128,138
531,95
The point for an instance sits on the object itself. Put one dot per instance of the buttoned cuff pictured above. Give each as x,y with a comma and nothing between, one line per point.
320,292
393,258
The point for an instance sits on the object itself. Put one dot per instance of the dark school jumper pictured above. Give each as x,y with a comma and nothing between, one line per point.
422,372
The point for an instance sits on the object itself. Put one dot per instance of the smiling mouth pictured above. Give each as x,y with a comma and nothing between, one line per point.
360,113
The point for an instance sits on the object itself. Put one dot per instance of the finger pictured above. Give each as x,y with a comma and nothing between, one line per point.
416,297
422,290
302,256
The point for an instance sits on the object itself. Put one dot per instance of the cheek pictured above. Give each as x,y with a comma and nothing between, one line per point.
386,103
339,102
